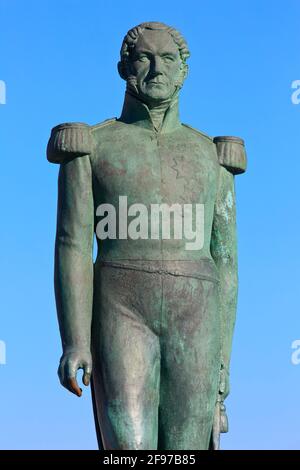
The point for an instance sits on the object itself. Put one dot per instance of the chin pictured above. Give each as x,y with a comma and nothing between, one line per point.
156,96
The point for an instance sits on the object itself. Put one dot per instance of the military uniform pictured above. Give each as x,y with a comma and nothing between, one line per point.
160,312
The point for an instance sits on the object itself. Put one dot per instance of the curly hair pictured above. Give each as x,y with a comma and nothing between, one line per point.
131,38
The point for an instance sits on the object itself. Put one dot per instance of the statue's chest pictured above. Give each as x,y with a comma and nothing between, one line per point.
166,168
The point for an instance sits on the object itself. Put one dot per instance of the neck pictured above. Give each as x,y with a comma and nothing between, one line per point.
157,113
162,116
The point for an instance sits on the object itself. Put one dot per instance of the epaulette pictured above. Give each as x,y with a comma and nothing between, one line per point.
231,153
69,140
199,132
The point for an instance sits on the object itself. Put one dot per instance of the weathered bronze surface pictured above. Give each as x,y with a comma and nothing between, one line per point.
151,320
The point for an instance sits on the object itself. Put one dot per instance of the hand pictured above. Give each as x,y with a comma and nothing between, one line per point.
70,362
224,389
224,386
220,423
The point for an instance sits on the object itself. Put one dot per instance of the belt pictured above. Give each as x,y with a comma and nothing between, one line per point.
204,269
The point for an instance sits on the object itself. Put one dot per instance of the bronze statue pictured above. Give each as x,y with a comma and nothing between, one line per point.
151,321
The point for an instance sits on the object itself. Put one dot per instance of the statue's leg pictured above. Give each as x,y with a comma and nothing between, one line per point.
126,360
190,361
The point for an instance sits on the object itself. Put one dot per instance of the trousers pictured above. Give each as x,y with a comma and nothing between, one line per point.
156,358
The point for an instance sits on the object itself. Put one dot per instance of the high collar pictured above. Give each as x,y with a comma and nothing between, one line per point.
136,112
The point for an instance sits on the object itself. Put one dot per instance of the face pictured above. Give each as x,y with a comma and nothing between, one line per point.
157,66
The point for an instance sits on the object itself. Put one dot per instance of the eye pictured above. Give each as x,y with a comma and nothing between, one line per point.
142,58
168,58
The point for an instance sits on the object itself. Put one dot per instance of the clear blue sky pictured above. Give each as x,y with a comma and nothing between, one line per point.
58,60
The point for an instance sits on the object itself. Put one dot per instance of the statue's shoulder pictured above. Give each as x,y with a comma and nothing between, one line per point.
73,139
198,133
107,124
231,153
69,140
230,150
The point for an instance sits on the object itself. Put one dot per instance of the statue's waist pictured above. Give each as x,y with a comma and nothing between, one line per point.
155,249
204,268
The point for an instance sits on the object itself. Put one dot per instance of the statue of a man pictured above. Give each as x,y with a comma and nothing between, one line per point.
151,320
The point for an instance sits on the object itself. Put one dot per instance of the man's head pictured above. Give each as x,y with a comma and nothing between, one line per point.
153,61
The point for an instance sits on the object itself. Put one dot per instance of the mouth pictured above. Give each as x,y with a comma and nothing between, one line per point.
154,82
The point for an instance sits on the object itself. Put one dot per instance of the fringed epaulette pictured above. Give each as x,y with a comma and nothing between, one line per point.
68,141
231,153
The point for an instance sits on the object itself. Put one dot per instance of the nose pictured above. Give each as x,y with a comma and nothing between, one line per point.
156,66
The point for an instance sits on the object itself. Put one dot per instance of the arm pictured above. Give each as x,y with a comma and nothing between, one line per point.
74,269
224,253
73,253
232,159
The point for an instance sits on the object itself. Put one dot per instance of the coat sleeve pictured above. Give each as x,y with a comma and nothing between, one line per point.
74,236
232,159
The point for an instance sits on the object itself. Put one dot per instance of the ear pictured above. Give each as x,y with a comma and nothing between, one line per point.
183,73
185,70
122,71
